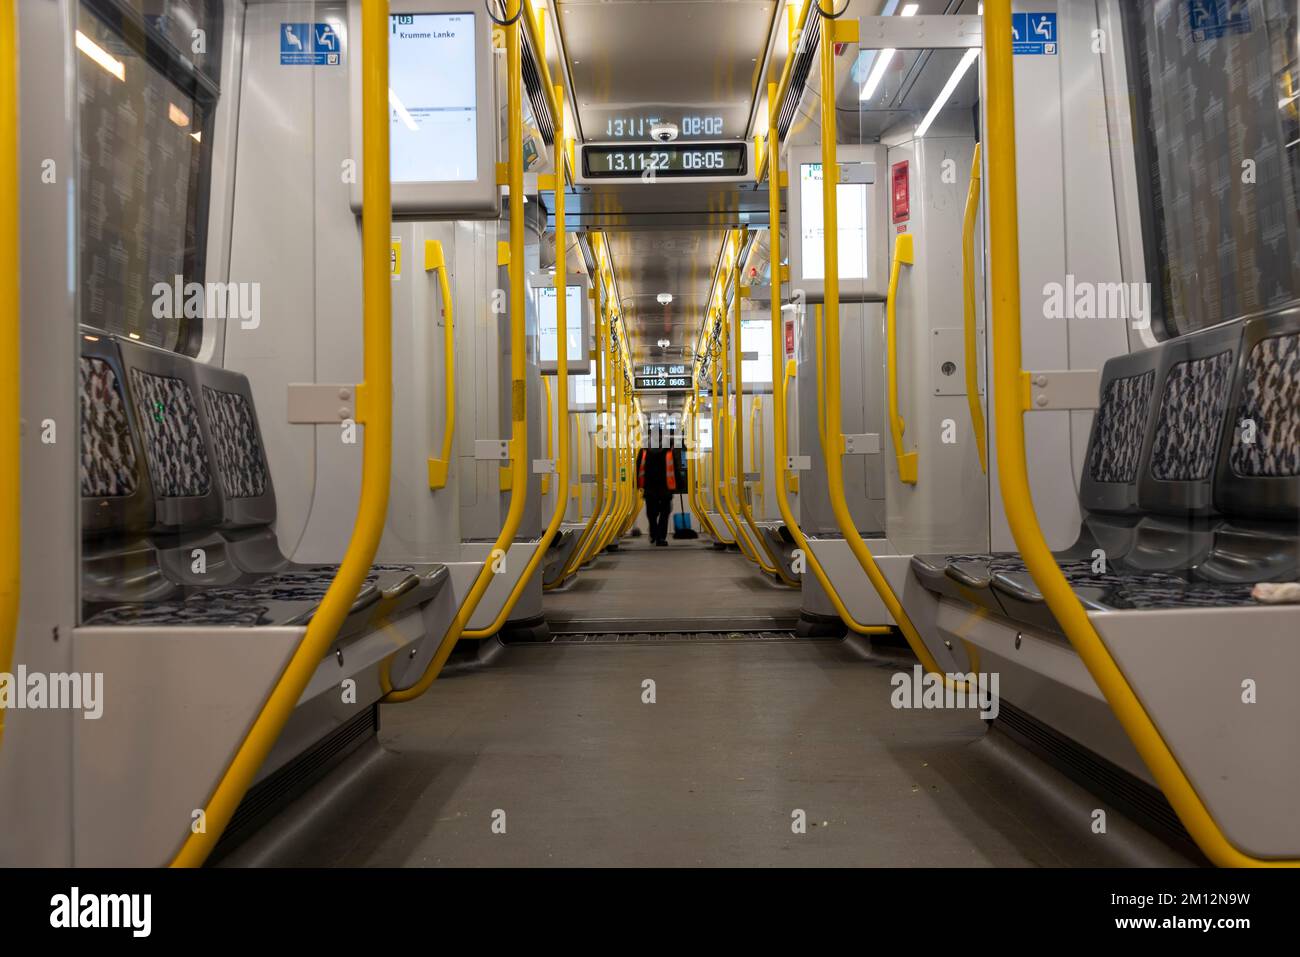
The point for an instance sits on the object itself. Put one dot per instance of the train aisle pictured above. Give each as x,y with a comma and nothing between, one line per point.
557,747
687,586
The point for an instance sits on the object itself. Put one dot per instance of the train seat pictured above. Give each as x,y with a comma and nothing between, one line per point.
179,509
1206,509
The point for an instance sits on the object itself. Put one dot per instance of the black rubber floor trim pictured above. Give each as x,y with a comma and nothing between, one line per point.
603,638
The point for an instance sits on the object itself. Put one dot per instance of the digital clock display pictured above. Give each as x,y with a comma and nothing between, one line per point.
632,126
665,159
663,378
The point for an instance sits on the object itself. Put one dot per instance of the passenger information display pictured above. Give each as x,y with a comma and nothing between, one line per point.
432,98
852,224
548,326
663,378
665,159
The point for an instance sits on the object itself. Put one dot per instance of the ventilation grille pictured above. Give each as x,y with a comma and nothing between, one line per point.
1131,795
804,56
535,89
268,796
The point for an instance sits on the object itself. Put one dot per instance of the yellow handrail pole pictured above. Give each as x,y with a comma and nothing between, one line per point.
562,386
907,461
609,429
696,466
579,555
730,486
550,426
756,436
10,347
374,410
833,449
772,566
819,337
780,401
718,427
435,261
723,442
968,309
1013,471
575,445
518,368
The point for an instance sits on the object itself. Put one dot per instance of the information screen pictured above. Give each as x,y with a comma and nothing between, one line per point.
432,96
548,326
663,378
852,224
695,159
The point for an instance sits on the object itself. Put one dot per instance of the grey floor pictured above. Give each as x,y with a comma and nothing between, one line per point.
741,736
555,741
687,585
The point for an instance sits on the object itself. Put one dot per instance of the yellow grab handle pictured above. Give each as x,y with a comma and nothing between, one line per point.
518,367
907,461
435,261
376,462
968,309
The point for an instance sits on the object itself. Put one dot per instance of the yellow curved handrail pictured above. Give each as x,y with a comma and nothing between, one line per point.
907,461
780,448
1013,471
435,261
968,309
693,461
772,566
756,436
374,410
518,368
550,434
10,353
833,447
562,386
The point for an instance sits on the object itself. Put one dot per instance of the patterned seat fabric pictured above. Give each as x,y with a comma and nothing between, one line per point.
1191,419
173,442
235,442
1268,444
1121,422
108,463
231,614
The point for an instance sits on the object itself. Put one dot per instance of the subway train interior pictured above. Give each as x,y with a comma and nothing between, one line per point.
471,433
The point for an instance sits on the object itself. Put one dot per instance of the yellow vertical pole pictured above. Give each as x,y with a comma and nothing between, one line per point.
771,566
374,410
518,359
834,437
10,348
562,386
780,448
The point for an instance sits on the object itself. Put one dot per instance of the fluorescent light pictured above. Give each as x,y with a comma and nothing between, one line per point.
177,115
197,137
946,93
101,56
664,298
882,62
402,115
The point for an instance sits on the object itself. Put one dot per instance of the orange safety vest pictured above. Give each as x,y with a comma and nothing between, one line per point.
670,471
